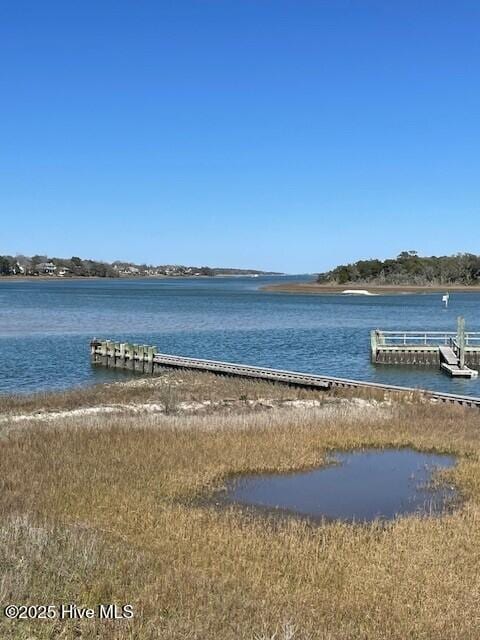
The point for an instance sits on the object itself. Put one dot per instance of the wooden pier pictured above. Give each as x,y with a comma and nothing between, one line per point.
146,359
456,353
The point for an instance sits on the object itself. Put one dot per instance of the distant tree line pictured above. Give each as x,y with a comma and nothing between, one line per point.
41,265
409,268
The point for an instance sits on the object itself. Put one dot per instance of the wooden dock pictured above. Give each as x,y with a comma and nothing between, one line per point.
146,359
456,353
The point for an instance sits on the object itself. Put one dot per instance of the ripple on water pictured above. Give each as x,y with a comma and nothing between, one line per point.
46,327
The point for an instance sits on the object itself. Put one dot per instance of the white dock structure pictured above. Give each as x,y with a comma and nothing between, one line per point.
456,353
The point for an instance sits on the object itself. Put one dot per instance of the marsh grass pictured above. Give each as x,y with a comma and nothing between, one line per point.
171,384
105,508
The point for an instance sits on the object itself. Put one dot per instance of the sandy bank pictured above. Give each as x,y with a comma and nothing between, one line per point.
325,289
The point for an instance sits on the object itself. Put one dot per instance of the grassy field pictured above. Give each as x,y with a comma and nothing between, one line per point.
100,508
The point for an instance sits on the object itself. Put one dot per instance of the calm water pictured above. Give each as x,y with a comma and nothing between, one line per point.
45,328
364,486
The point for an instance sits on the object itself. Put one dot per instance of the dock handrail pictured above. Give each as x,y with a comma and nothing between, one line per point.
398,338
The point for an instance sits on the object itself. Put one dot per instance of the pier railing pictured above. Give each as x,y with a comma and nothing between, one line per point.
426,338
428,348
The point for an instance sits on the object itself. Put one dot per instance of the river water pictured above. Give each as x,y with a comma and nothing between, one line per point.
46,326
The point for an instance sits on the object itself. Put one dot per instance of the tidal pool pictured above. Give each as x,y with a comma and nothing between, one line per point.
358,486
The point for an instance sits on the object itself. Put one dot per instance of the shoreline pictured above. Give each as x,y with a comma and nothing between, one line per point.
47,278
313,288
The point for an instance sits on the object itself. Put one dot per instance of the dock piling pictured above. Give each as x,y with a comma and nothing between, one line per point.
461,341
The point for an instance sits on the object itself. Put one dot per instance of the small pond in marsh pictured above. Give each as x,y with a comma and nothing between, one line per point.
358,486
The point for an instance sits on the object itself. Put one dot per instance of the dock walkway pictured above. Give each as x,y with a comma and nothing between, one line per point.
146,359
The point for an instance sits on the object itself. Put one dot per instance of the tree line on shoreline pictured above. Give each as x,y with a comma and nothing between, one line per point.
408,268
41,265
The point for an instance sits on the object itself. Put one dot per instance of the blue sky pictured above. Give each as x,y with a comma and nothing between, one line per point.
289,135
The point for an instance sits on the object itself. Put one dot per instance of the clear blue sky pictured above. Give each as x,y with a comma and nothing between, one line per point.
291,135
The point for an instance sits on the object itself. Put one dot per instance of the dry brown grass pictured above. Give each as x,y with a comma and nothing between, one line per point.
187,385
104,508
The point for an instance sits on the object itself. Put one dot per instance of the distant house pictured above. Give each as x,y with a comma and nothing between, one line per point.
64,271
46,268
18,269
132,271
126,269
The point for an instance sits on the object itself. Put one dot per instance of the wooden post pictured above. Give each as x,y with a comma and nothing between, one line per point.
149,360
110,353
94,344
373,344
116,351
129,355
103,352
139,365
123,363
461,341
134,356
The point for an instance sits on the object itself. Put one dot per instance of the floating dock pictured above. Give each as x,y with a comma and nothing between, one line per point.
146,359
456,353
